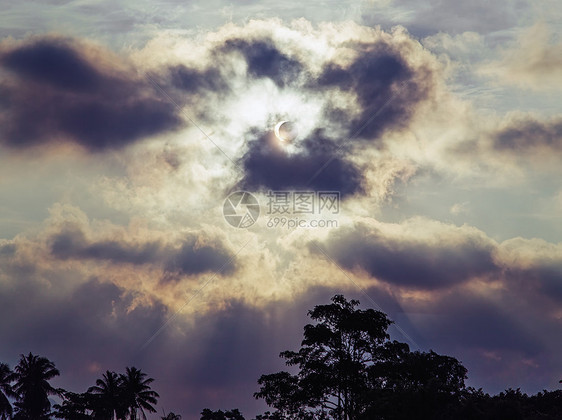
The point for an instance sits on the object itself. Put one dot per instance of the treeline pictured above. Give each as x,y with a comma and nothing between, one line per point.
114,396
346,369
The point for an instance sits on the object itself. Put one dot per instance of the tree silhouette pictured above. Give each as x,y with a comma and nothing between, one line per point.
414,385
234,414
107,399
73,407
349,369
332,361
269,416
6,391
171,416
32,375
137,394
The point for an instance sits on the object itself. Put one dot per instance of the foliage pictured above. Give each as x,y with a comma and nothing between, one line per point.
171,416
348,368
31,376
234,414
6,391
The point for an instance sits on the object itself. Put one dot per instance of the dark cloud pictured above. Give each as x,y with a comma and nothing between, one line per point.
545,279
72,243
189,258
198,81
194,258
528,134
387,88
197,89
410,262
265,59
387,91
485,325
56,92
551,282
54,63
7,249
268,165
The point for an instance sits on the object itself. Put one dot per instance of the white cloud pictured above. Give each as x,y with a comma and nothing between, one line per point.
534,61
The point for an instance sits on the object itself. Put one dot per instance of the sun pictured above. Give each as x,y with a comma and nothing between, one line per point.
285,131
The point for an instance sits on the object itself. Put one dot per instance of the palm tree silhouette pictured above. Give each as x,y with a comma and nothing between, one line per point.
137,392
108,399
32,375
6,390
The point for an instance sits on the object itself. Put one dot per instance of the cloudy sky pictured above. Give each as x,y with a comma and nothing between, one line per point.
125,125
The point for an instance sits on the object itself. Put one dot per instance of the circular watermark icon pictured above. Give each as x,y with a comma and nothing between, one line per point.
241,209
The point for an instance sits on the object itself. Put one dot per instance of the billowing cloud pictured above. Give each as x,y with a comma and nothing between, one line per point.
421,254
387,88
269,166
7,248
507,148
58,90
360,86
529,135
532,61
264,59
413,262
72,243
196,81
194,255
344,94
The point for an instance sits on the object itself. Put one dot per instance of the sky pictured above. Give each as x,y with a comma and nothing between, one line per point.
424,181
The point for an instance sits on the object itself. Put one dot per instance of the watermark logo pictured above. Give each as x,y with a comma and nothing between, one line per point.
241,209
303,202
285,209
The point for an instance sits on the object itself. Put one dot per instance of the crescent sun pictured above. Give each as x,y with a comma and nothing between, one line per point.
276,130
